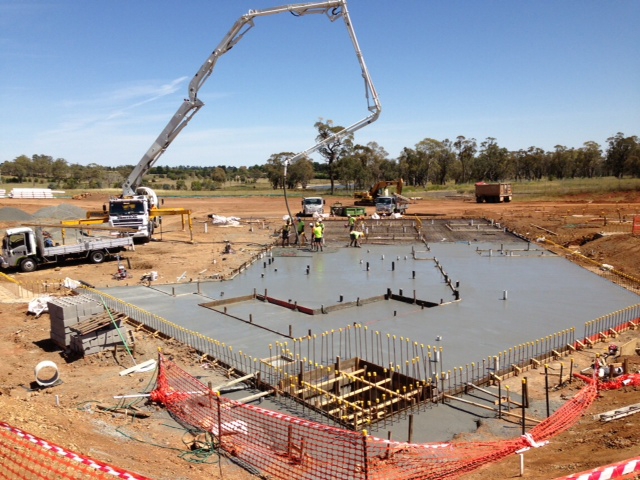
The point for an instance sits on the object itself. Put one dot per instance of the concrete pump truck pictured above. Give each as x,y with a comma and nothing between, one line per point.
137,207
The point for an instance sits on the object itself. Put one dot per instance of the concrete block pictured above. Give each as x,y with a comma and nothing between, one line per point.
62,310
63,341
61,324
97,308
95,342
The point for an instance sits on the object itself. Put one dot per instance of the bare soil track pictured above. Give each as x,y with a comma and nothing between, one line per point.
68,415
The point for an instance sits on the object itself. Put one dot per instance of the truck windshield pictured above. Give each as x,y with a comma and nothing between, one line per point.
384,201
126,208
15,241
313,201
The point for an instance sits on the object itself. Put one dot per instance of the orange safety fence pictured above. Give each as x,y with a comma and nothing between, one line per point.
287,447
25,456
626,380
617,470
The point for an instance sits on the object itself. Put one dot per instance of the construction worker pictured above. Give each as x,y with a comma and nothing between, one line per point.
355,238
322,227
317,236
302,236
48,241
122,273
312,240
352,223
285,232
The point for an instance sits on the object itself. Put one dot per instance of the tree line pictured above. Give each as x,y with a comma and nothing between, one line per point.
463,160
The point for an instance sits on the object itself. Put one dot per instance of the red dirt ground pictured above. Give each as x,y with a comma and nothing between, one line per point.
76,423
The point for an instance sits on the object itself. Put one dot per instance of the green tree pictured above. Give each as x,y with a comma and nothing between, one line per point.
431,150
59,170
219,175
300,172
413,169
41,166
620,154
445,159
465,153
589,160
93,174
275,169
334,147
243,174
347,171
388,169
534,165
492,162
20,168
562,163
372,158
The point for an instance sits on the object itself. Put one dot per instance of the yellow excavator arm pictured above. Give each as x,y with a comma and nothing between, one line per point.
373,192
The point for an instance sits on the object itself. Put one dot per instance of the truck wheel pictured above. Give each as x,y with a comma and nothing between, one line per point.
97,256
479,199
28,265
147,239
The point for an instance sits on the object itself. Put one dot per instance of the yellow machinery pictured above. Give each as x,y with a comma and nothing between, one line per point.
368,197
95,218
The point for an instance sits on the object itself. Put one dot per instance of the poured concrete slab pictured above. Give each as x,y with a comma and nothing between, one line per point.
510,293
544,294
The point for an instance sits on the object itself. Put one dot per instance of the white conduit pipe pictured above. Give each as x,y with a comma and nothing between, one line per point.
51,380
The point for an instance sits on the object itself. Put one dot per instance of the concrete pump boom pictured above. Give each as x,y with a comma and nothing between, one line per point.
190,106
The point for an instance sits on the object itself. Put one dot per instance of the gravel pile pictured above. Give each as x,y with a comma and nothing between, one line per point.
64,211
11,214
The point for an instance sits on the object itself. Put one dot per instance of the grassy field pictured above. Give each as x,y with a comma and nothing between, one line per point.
522,191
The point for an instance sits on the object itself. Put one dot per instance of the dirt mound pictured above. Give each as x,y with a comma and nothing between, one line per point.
622,251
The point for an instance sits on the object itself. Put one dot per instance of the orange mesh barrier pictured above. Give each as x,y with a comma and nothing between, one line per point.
616,383
25,456
286,447
277,444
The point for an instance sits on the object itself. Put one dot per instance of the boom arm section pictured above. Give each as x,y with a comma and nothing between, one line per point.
190,106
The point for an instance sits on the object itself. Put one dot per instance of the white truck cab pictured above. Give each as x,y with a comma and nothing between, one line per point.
311,205
133,212
389,205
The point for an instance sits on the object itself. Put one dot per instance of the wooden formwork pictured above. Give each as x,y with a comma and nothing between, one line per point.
356,393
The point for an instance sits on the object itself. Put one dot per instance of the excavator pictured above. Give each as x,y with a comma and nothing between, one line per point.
368,197
137,207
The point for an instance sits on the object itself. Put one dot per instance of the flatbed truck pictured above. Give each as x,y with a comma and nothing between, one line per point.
25,249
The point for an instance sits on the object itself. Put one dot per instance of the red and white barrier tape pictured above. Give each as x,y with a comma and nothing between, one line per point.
616,470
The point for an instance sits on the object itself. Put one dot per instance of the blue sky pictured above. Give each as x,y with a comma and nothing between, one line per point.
97,81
